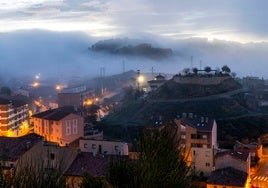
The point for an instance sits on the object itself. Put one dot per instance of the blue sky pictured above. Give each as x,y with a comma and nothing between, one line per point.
233,20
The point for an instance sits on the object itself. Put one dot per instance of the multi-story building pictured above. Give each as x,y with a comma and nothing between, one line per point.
199,138
13,113
58,126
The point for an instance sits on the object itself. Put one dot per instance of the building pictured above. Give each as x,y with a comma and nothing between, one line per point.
85,163
199,138
157,82
75,97
255,149
58,126
32,153
103,147
232,169
13,116
12,149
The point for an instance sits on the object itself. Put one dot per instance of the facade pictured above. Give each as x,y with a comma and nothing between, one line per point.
103,147
13,113
58,126
199,138
75,97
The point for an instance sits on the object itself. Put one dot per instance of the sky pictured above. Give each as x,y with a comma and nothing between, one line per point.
232,20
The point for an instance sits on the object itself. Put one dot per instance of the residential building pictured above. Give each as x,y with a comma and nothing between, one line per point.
58,125
157,82
232,169
13,114
255,149
35,154
199,138
106,147
86,163
75,97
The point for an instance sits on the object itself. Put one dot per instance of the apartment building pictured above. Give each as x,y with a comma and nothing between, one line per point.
58,126
13,113
199,138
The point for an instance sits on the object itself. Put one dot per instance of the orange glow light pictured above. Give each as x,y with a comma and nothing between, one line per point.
35,84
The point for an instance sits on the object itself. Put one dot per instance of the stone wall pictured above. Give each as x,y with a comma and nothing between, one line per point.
200,80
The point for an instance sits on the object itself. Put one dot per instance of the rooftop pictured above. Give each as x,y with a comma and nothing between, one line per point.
201,124
96,166
12,148
53,114
228,177
237,155
14,102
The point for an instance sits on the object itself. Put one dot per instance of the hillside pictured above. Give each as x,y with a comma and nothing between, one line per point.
174,90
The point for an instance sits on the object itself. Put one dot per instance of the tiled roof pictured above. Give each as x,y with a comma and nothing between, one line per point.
228,177
200,125
12,148
237,155
14,102
54,114
96,166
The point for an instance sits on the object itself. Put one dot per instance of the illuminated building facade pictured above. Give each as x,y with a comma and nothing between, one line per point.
13,114
199,138
58,126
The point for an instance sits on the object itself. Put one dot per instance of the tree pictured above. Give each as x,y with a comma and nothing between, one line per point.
207,69
226,69
195,70
90,181
161,162
186,71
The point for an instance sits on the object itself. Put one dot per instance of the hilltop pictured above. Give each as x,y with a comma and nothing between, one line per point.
126,47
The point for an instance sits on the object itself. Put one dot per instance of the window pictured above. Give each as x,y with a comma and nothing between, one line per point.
183,136
93,146
52,156
85,145
116,148
207,153
204,136
207,164
194,152
68,127
75,129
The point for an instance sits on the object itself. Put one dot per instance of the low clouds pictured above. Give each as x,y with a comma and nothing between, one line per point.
240,20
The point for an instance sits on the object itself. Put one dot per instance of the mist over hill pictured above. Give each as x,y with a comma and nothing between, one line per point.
67,55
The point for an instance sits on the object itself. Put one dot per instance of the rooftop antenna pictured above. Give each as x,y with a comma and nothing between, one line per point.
152,73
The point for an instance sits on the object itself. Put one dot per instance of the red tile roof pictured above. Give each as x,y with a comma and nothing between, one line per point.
53,114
